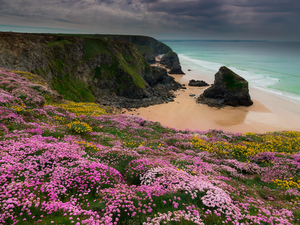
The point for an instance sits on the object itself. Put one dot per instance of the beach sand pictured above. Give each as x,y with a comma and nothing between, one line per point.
268,113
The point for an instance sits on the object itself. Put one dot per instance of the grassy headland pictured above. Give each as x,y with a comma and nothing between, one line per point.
63,162
86,68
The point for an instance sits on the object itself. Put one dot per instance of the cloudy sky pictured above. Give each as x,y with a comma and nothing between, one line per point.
162,19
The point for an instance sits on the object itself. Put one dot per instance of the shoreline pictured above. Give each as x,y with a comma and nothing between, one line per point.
268,113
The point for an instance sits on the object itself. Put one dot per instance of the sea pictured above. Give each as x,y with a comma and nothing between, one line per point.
273,67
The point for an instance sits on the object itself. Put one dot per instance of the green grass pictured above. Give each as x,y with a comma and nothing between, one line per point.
93,47
232,83
72,89
144,50
132,71
60,43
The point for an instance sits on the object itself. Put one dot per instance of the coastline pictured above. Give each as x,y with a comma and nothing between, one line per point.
268,113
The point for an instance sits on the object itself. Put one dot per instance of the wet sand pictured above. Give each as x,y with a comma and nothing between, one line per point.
268,113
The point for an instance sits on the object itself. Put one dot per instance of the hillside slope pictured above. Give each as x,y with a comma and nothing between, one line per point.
70,163
88,68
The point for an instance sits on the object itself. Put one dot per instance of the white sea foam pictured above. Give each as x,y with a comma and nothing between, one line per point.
259,81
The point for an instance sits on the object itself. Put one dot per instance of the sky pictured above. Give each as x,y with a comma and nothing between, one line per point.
274,20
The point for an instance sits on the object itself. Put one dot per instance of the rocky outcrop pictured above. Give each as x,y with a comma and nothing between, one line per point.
169,59
198,83
85,68
228,89
176,69
162,89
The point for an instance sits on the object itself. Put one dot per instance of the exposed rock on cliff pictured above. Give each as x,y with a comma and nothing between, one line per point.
228,89
176,69
198,83
169,59
82,68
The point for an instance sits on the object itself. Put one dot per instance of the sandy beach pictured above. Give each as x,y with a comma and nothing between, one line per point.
268,113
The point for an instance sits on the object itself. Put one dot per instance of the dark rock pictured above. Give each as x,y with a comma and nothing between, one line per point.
189,70
159,74
176,69
198,83
228,89
169,59
150,58
192,95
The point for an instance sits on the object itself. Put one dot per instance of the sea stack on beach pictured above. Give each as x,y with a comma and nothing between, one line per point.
171,61
176,69
228,89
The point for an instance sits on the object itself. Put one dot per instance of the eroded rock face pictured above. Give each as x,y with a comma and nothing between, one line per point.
198,83
176,69
228,89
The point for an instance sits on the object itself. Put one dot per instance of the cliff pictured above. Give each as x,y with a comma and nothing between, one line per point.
89,67
148,47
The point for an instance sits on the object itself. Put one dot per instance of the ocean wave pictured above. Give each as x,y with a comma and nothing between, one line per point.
251,77
256,80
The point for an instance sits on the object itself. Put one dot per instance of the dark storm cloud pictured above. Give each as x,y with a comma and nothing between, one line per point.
189,8
196,18
272,6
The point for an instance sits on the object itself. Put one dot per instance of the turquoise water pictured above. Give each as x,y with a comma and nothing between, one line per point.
271,66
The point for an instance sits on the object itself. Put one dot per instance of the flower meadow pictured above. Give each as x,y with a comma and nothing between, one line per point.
61,163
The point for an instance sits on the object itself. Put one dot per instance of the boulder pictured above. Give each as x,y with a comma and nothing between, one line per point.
176,69
198,83
169,59
159,74
228,89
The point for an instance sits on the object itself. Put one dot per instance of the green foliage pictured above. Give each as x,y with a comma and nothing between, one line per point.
106,71
118,160
145,50
159,128
147,67
58,65
79,127
133,72
232,83
60,43
72,89
171,53
93,47
256,183
55,134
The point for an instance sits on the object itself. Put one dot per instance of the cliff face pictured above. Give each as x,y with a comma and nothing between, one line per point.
82,68
147,46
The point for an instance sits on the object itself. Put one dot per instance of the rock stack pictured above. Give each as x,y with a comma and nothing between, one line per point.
171,61
228,89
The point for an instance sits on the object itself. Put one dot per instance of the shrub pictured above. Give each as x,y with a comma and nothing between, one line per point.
79,127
